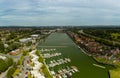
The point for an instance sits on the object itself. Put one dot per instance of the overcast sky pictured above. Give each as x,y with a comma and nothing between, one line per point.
59,12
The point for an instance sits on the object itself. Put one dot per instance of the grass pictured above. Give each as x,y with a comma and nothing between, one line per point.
46,72
29,76
17,71
115,73
20,61
115,36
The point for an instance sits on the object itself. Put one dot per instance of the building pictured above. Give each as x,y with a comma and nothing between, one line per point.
25,40
2,57
34,36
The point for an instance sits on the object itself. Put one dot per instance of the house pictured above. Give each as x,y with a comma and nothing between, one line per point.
15,52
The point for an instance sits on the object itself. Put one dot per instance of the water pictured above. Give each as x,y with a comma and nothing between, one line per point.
86,64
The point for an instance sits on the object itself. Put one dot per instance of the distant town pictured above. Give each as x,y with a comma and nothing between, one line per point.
60,52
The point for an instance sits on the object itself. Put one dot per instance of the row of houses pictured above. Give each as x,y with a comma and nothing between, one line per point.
95,48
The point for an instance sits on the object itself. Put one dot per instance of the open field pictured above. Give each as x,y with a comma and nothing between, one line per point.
83,62
115,73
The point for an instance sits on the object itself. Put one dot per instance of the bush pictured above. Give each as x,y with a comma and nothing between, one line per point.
10,72
4,65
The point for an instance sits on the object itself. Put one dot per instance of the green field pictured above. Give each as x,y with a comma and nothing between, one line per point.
88,67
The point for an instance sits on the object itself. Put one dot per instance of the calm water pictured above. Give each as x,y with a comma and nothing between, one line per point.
68,48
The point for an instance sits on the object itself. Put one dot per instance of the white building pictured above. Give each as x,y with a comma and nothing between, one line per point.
2,57
34,36
25,40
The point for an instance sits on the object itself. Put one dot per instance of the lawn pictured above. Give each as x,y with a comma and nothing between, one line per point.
115,73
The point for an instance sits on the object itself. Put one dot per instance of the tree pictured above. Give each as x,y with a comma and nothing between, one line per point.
10,72
1,47
29,43
14,46
11,36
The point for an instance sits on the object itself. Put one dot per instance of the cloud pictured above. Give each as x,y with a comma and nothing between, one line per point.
59,12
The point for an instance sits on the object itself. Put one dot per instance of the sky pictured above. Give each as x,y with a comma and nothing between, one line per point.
59,12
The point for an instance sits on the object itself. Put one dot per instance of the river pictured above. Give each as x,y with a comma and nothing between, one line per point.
87,66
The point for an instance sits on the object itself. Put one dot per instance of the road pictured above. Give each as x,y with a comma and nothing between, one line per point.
82,32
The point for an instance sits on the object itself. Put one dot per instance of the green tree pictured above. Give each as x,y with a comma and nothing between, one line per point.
10,72
11,36
29,43
1,47
13,46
